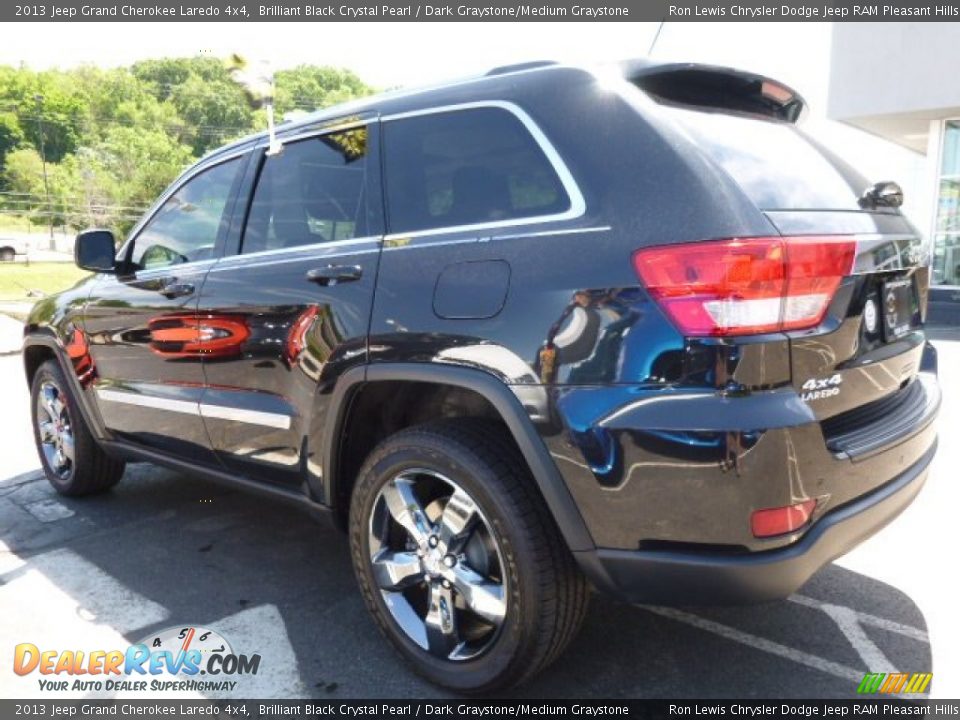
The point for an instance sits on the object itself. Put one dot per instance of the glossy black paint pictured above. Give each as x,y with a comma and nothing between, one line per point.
307,311
675,574
116,321
641,440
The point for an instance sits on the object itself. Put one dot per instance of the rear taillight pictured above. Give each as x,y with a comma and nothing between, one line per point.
746,286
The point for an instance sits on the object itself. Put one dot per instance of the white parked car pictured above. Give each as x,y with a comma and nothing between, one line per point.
10,247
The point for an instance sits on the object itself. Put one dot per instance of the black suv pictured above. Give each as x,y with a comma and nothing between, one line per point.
517,335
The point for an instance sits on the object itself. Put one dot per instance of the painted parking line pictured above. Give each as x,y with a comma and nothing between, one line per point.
262,630
77,605
848,621
759,643
73,604
867,619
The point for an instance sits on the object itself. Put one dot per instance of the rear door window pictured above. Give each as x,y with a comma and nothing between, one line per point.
776,165
466,167
314,191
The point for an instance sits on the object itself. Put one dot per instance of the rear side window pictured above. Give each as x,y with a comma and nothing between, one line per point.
776,165
312,192
466,167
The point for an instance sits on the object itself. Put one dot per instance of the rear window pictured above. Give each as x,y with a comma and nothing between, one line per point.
777,166
466,167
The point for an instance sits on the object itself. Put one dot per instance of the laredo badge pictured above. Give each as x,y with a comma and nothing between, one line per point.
820,388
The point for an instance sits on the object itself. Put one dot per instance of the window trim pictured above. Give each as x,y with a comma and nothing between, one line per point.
298,253
578,206
174,187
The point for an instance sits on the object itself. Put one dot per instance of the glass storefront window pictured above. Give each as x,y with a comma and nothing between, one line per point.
950,164
946,242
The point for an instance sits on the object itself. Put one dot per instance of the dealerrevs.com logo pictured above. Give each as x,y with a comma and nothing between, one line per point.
174,659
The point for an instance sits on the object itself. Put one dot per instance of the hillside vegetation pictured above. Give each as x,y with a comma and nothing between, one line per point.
113,139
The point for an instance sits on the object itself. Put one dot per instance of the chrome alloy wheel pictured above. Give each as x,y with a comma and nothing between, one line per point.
438,565
55,429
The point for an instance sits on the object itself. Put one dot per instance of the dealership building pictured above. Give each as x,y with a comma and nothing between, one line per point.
898,81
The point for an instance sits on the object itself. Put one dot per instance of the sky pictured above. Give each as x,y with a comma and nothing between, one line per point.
389,55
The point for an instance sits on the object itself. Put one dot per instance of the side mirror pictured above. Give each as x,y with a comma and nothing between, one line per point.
95,250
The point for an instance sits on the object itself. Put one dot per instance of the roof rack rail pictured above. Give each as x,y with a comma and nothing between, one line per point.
504,69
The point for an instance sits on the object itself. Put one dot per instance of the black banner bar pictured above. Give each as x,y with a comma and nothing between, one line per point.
479,10
443,709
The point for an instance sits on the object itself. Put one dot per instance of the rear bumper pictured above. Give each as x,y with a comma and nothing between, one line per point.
706,578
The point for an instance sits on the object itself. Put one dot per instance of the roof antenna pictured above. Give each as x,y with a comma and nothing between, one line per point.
656,36
257,83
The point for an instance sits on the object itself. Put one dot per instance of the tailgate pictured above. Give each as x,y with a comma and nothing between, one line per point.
856,370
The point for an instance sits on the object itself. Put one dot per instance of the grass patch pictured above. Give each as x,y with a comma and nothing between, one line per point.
20,223
16,279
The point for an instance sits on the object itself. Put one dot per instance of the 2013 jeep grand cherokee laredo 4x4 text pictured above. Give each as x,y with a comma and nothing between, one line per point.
521,334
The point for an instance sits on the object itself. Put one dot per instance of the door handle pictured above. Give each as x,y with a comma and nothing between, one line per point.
334,274
174,289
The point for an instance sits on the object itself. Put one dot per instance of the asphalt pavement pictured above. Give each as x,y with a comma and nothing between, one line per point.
164,549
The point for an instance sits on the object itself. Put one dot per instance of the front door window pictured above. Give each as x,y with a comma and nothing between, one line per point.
186,227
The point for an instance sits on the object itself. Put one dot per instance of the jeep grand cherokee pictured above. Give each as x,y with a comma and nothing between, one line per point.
518,335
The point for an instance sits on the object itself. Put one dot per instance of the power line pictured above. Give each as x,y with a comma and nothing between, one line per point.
72,202
73,207
56,214
38,195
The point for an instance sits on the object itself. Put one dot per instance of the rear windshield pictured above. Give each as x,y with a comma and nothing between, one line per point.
777,166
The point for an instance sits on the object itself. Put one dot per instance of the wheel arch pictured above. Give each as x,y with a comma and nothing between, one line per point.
37,349
36,354
501,400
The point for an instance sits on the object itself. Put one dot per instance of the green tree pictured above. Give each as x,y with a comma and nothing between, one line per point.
213,111
114,138
23,180
311,87
211,107
163,75
50,111
10,137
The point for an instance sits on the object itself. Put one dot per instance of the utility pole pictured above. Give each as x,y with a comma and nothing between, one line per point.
43,159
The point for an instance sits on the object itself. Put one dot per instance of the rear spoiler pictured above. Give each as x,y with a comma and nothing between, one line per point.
710,87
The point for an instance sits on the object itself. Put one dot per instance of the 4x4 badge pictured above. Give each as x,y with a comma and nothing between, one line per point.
820,388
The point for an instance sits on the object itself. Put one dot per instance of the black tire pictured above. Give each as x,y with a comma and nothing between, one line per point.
90,470
546,595
7,255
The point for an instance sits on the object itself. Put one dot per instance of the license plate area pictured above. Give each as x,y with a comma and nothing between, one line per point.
897,303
